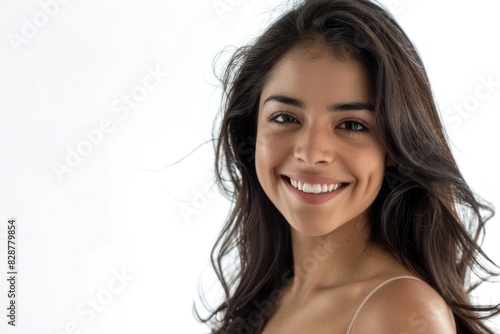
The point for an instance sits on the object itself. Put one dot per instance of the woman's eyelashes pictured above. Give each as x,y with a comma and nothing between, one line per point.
354,126
282,118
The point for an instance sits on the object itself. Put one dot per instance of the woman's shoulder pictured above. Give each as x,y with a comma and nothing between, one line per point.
403,304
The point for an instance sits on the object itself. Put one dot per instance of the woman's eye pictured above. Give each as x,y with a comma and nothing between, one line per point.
354,126
282,118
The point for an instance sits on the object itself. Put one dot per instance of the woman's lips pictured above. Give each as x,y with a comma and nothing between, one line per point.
312,198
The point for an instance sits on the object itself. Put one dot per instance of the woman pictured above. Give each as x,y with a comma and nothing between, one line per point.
349,214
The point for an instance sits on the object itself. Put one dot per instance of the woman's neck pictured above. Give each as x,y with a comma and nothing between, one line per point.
338,258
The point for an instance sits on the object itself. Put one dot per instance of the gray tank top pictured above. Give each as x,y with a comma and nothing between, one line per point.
371,294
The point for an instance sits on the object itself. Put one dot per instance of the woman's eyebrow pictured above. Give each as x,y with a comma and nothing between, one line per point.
349,106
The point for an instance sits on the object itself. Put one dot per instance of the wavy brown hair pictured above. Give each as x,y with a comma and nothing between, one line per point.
425,213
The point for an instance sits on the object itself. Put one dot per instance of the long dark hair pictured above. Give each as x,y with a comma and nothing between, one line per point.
425,213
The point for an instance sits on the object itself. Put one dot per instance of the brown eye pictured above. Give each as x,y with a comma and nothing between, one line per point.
355,126
282,118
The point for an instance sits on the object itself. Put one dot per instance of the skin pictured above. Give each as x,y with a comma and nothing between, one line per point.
335,267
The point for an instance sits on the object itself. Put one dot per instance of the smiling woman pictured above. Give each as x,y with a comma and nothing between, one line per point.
318,133
351,216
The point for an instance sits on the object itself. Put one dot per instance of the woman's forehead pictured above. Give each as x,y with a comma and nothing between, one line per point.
316,73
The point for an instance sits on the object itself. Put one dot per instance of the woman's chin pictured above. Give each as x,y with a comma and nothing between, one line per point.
313,230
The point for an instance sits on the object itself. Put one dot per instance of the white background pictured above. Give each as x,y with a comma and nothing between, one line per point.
124,209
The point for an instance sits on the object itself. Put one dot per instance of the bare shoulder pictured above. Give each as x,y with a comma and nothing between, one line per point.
405,306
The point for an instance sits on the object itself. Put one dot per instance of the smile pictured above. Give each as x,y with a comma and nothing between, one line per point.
314,193
314,188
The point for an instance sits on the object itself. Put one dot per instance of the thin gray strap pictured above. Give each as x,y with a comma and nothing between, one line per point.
371,294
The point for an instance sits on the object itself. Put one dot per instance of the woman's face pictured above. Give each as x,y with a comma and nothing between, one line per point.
318,156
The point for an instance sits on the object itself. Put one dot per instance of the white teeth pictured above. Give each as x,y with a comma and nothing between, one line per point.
314,188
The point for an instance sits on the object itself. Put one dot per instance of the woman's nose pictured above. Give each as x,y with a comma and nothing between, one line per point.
315,145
